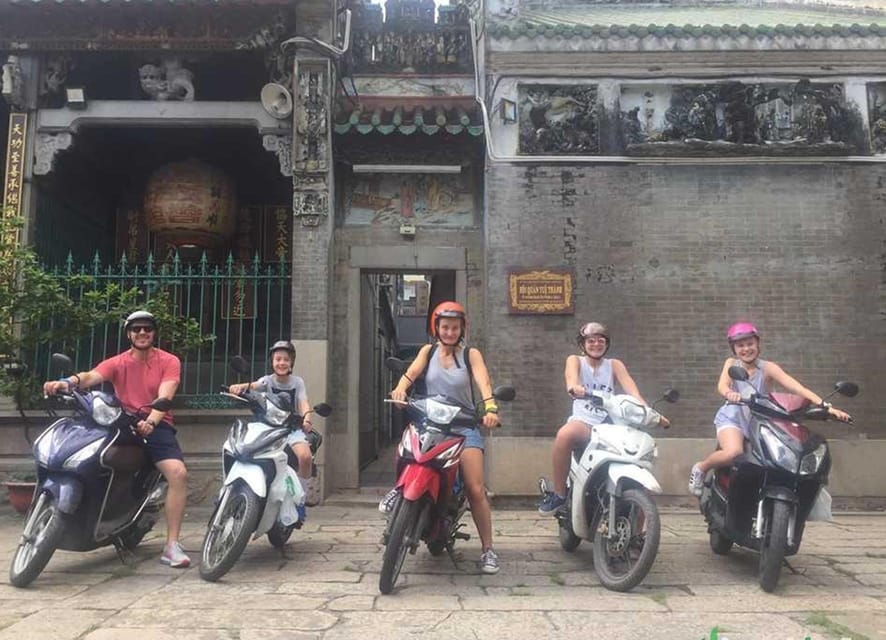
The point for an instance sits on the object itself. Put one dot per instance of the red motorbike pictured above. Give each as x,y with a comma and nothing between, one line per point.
430,498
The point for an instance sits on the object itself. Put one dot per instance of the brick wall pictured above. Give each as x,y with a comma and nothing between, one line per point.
668,256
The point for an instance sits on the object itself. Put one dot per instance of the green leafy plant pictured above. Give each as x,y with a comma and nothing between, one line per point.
37,309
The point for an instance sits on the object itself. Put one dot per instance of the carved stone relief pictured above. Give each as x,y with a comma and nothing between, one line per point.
732,118
46,146
53,77
558,119
12,83
170,81
311,205
282,145
312,121
877,116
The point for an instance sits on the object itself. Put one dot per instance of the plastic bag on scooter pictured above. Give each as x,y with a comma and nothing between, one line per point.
293,496
821,508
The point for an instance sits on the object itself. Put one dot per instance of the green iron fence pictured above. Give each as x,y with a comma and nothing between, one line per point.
246,307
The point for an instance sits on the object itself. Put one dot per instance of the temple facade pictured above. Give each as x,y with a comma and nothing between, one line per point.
331,170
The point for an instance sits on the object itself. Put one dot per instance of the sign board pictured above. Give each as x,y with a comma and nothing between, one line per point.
541,291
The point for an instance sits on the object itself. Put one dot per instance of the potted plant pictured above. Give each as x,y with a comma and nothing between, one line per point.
20,490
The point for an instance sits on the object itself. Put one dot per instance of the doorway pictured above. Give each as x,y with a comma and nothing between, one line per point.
395,308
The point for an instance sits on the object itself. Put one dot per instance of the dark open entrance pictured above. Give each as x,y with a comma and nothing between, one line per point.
394,322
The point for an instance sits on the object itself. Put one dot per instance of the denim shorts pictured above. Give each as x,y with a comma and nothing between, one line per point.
474,438
296,437
163,445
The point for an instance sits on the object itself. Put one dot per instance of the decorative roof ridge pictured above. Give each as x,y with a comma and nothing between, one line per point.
522,29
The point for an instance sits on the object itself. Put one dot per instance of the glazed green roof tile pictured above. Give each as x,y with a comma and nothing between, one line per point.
394,119
608,21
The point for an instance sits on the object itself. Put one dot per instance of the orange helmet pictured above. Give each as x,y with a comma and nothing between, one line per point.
448,309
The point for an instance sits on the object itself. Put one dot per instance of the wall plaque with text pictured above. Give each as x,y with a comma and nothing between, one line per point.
545,291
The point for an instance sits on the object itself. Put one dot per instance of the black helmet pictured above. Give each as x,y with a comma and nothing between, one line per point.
140,316
283,345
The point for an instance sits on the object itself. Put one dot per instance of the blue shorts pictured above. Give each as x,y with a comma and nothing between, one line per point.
474,438
295,437
163,445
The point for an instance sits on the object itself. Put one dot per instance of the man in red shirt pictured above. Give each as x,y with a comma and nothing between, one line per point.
140,375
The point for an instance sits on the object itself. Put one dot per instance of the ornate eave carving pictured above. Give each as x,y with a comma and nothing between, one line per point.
282,146
46,147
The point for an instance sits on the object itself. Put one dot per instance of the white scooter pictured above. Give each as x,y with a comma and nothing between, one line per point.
608,499
261,491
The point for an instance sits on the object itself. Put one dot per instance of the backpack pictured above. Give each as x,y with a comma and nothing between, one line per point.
420,385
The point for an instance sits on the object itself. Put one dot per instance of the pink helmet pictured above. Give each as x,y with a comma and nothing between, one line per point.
740,331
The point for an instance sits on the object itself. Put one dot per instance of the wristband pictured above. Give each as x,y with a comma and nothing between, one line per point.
826,405
490,407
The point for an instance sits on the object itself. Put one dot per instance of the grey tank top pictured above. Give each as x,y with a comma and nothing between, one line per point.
453,382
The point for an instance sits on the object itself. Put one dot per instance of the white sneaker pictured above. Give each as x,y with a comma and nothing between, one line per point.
175,556
489,562
696,480
386,504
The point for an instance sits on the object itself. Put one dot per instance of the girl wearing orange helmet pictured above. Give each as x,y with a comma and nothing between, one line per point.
732,420
446,373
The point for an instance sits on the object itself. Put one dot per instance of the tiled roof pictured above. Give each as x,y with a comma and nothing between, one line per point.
681,21
430,120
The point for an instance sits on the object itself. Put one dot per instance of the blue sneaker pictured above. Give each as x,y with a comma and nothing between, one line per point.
551,504
302,513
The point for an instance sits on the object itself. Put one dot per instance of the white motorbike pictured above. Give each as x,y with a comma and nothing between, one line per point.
608,499
261,491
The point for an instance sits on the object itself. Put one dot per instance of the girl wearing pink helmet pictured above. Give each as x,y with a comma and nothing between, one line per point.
733,420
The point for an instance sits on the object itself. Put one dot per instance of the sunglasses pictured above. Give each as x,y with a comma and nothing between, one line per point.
142,329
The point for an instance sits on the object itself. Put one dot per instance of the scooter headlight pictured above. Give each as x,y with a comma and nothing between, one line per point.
276,416
440,413
83,454
782,455
812,461
43,447
105,413
633,412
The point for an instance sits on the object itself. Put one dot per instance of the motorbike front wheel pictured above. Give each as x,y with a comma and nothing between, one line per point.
43,530
229,531
773,545
403,532
624,558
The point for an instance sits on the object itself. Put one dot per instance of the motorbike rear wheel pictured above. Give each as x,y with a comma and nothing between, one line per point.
278,535
229,531
403,533
773,545
46,524
568,540
622,561
720,544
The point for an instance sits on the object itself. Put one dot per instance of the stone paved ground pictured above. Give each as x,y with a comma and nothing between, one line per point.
326,586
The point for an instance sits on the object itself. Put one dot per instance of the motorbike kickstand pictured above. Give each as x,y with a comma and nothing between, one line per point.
127,556
794,570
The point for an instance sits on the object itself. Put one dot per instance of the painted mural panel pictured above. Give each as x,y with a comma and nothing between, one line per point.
410,198
558,119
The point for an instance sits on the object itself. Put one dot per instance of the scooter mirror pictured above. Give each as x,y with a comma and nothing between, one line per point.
671,395
395,365
162,404
505,393
848,389
738,373
239,364
61,363
322,409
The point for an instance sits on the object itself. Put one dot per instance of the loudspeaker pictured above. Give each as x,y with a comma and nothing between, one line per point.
276,100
